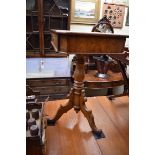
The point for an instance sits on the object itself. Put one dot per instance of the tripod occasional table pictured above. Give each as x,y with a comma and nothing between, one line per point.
81,44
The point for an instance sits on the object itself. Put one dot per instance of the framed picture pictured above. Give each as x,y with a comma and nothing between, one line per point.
85,11
123,2
127,18
114,13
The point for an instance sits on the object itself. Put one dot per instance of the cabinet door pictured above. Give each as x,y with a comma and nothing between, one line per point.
32,27
56,13
41,16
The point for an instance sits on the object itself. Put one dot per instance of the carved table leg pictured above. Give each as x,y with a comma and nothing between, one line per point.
87,113
89,116
62,109
79,89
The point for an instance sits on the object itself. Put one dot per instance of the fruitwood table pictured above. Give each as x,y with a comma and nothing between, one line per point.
81,44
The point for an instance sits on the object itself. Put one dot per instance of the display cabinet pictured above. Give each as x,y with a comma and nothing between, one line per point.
41,16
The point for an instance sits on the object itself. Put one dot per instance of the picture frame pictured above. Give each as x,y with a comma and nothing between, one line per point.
127,18
114,13
123,2
85,11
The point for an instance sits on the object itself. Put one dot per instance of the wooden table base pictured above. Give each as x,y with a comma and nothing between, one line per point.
77,99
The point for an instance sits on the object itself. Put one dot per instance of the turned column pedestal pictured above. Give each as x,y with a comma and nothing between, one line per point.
77,99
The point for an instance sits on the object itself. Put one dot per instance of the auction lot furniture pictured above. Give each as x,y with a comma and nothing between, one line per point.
83,44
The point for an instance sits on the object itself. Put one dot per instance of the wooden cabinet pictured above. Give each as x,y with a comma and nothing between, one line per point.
55,88
41,16
49,76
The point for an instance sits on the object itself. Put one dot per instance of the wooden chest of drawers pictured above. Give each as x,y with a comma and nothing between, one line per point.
49,76
55,88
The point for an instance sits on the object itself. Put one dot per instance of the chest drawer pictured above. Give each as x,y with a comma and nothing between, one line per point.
47,82
55,88
52,90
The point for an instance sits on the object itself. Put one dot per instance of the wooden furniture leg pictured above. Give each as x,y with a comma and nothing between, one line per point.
62,109
77,99
88,114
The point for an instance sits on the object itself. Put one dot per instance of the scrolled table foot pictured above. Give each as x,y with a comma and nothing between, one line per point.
98,134
51,122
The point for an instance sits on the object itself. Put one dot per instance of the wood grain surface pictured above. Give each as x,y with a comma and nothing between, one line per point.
72,134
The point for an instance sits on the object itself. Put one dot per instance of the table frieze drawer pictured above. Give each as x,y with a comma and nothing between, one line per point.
47,82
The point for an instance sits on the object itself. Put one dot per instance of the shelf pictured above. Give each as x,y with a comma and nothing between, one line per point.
48,53
34,32
31,13
54,54
32,53
56,16
47,32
